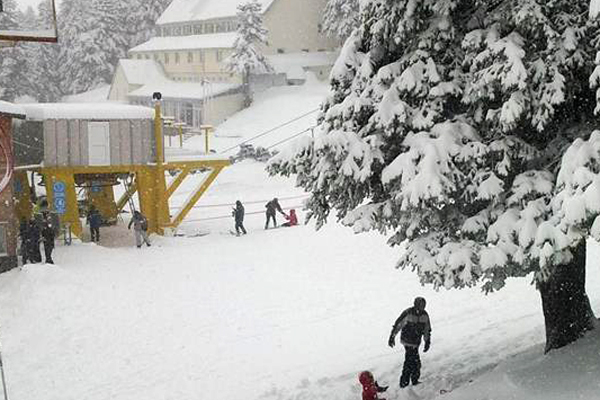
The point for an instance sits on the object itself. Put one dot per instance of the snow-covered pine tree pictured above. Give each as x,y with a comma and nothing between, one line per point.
143,15
46,70
340,18
14,78
463,128
247,57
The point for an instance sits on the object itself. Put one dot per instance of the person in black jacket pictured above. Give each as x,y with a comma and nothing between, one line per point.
238,214
413,324
48,236
272,207
33,238
95,220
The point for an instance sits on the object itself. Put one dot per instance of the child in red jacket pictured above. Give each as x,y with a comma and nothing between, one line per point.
292,218
370,386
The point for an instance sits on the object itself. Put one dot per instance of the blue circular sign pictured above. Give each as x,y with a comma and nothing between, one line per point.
59,187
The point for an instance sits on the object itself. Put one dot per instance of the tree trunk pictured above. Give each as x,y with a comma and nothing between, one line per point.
567,310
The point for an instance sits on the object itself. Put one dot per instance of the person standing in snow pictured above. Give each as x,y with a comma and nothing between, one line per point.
413,324
48,236
370,386
272,207
33,238
94,219
140,229
292,219
238,214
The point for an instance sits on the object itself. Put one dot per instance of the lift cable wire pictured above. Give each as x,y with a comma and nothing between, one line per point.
271,130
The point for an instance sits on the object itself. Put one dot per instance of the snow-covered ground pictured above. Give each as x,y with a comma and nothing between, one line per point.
283,314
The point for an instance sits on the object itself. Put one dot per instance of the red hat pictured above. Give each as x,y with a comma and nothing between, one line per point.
365,378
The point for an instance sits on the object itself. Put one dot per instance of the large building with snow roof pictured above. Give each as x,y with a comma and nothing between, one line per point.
185,61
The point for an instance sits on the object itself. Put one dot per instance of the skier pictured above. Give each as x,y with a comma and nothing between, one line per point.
48,235
238,214
414,324
140,228
370,386
94,219
292,219
272,207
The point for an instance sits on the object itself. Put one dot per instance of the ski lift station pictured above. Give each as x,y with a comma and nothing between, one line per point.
93,148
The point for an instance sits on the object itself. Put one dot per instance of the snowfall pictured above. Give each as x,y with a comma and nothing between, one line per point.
278,314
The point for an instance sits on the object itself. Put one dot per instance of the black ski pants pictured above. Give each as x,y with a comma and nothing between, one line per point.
48,248
411,371
239,226
95,232
271,215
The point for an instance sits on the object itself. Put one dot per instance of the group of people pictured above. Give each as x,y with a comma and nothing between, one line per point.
272,207
41,229
414,326
138,221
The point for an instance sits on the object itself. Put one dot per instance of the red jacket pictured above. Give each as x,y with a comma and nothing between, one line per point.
370,387
292,218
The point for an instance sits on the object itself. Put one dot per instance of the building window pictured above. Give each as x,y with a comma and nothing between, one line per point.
219,55
3,239
166,58
198,29
209,28
190,57
176,58
147,56
177,31
280,51
306,50
155,57
187,30
201,56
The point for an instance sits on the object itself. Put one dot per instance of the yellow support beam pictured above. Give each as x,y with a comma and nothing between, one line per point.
177,181
23,205
62,198
124,199
193,199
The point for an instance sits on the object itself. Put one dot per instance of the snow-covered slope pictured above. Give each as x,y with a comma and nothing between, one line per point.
275,315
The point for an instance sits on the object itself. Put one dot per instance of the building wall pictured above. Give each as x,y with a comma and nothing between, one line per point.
294,27
66,142
8,222
191,65
223,107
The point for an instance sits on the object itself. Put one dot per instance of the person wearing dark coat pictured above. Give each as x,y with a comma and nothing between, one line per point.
238,214
272,207
94,219
33,235
24,235
48,236
412,324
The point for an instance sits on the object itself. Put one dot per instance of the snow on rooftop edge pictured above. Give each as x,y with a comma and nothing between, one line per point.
184,90
199,10
10,108
86,111
193,42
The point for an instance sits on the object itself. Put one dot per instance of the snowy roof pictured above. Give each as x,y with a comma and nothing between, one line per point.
86,111
183,90
286,63
193,42
199,10
7,108
91,96
140,72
